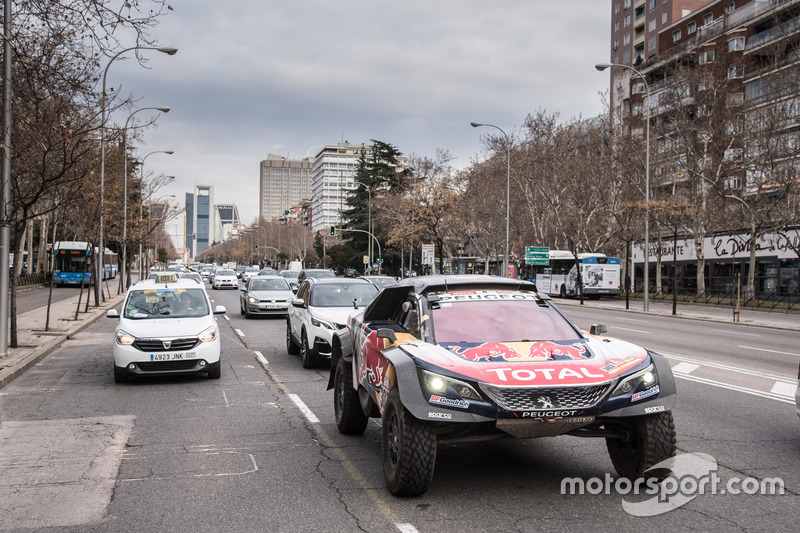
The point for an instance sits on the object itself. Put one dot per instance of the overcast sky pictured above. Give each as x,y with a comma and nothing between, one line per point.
289,76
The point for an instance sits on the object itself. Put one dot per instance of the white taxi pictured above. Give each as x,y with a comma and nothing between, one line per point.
167,326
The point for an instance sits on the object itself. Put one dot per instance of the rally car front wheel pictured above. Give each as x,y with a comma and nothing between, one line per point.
651,439
409,449
350,418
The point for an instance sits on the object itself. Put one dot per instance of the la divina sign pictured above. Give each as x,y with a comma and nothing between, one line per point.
720,247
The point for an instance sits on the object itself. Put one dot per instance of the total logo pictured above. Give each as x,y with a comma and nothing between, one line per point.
548,374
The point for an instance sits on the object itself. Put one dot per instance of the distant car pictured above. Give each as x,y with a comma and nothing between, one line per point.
482,357
268,271
319,273
320,308
206,272
249,272
225,278
239,270
195,276
291,277
380,281
167,326
350,273
265,295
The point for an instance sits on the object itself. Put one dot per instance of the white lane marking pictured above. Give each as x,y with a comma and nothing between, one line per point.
239,332
227,318
632,320
728,332
720,366
629,329
261,358
685,368
770,351
406,528
227,404
753,392
304,408
784,389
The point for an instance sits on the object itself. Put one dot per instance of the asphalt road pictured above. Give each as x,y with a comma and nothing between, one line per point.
258,450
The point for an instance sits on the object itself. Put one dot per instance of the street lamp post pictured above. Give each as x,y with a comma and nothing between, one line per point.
601,67
126,281
508,190
101,248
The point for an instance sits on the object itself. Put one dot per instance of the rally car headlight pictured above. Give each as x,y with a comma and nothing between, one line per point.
648,377
438,384
208,335
323,324
125,339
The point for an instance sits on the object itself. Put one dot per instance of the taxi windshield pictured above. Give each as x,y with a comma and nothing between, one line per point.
497,317
165,303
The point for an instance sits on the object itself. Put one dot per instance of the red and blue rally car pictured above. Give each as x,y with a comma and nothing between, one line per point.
446,357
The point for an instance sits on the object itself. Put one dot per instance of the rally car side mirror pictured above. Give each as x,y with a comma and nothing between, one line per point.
598,329
386,333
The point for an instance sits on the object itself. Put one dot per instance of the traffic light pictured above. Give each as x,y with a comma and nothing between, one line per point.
333,230
256,247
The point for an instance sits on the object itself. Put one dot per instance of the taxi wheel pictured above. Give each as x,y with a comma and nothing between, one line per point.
217,372
409,449
350,418
119,377
241,309
652,440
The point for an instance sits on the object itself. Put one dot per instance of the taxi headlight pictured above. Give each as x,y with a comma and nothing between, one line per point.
647,377
125,339
208,334
448,387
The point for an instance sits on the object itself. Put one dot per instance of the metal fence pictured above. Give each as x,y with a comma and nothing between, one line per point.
708,297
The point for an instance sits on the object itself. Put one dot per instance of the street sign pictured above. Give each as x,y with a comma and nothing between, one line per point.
537,262
537,255
537,250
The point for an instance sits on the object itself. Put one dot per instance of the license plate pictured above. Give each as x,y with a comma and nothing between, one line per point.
272,306
166,356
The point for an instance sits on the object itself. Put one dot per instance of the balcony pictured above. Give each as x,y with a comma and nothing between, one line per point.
753,10
773,34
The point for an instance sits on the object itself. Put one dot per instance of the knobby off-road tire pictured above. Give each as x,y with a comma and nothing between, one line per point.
292,347
409,449
350,419
652,441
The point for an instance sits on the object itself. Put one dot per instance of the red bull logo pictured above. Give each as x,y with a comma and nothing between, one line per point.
519,351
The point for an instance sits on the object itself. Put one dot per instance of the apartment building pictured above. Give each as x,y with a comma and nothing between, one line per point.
332,177
726,70
283,183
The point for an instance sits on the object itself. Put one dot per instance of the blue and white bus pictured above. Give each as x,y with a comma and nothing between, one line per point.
72,262
600,274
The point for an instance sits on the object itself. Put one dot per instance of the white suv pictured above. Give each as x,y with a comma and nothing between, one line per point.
320,308
167,326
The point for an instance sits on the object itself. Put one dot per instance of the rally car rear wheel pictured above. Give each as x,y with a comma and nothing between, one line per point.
409,449
651,440
350,418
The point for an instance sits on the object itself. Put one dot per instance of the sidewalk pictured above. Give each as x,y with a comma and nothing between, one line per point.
34,342
754,317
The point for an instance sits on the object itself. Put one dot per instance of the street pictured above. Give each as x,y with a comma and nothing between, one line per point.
258,450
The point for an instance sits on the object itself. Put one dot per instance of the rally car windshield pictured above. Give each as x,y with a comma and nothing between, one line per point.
165,303
464,321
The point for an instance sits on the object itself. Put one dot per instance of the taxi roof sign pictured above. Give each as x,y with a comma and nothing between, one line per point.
166,277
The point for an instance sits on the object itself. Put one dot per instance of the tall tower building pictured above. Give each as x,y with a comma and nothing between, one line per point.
226,219
332,177
283,183
198,219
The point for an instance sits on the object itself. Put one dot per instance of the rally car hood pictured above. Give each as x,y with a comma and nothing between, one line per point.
586,361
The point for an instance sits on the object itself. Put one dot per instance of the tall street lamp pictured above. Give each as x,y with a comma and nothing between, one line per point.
101,261
126,281
601,67
508,189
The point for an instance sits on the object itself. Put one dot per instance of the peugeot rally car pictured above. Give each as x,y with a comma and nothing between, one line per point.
447,357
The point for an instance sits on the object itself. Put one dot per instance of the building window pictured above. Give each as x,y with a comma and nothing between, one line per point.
626,56
736,44
616,44
627,4
706,56
627,21
637,88
736,72
708,18
735,99
730,7
676,36
652,26
663,18
652,4
691,28
627,39
616,8
651,44
616,26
